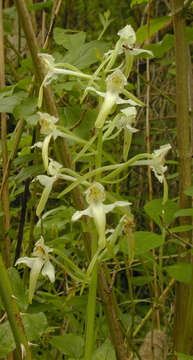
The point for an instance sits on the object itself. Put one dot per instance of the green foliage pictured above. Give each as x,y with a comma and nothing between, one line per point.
69,344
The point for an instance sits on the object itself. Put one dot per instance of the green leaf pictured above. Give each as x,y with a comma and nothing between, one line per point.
25,108
162,47
41,5
156,209
189,191
181,356
35,325
142,280
18,288
181,228
181,272
69,41
27,172
85,55
184,212
104,352
69,344
137,2
145,241
7,104
7,342
155,25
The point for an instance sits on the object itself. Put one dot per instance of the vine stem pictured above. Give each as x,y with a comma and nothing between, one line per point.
11,308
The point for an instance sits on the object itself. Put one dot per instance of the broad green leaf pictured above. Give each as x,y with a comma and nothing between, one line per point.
7,104
69,41
162,47
104,352
25,108
181,228
35,325
145,241
184,212
155,25
189,191
7,342
181,272
85,55
156,209
69,344
18,288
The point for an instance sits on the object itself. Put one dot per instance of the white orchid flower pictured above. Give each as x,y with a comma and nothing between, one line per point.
123,121
127,39
54,173
52,72
40,263
95,195
157,162
48,128
115,85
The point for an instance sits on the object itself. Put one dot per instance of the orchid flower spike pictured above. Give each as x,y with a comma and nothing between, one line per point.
40,263
95,196
115,85
52,71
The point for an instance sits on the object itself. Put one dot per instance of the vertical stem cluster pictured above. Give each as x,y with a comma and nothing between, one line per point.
5,193
184,293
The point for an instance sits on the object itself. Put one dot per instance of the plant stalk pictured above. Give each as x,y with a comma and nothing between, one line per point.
11,308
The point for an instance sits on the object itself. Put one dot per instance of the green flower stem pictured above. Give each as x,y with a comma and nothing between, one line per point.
117,169
99,151
91,305
13,313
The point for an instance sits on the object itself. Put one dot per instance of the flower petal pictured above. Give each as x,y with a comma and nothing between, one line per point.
34,273
78,214
110,207
25,260
48,270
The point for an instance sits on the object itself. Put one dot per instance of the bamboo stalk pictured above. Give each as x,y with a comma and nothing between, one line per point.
183,328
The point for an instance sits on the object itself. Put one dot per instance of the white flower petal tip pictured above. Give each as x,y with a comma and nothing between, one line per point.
127,119
127,34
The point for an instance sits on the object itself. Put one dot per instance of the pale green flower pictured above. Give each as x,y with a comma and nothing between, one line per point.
95,195
40,263
125,45
48,128
157,162
115,85
53,71
54,173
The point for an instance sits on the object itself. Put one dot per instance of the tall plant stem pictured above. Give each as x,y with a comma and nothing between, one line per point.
66,160
13,313
183,332
91,306
5,194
